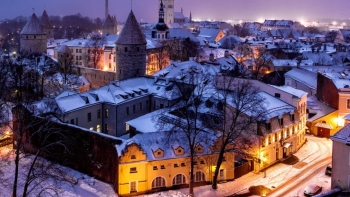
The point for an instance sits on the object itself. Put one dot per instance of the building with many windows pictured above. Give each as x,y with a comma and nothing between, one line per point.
154,160
106,109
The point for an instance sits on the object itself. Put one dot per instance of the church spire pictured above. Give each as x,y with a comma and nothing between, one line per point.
161,13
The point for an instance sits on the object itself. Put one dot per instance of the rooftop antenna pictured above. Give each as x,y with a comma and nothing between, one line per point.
131,4
33,10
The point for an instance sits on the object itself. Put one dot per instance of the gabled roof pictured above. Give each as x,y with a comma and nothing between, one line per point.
45,21
131,32
33,26
306,77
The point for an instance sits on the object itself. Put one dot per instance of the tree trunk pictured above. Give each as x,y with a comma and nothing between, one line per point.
191,193
14,189
217,169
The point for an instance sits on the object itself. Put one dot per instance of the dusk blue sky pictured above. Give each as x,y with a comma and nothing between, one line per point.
201,9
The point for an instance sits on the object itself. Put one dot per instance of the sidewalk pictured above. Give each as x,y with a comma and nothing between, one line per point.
276,175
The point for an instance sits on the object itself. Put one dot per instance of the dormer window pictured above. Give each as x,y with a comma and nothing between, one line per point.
133,156
179,151
162,167
155,167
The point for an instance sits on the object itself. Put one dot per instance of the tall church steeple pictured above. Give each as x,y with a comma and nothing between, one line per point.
160,30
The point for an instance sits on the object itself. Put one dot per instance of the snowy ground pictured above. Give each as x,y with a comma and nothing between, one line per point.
314,150
86,186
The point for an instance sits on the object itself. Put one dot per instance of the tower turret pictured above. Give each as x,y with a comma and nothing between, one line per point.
46,24
131,50
32,37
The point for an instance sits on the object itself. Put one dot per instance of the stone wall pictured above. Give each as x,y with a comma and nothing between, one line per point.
131,61
96,77
89,152
33,43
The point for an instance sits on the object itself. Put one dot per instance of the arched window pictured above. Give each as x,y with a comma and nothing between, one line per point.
199,176
179,179
158,182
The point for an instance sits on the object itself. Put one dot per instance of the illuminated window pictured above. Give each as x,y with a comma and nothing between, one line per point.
179,179
91,128
199,176
158,182
98,128
133,170
106,127
106,113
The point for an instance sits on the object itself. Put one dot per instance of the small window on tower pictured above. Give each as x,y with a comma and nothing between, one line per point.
138,49
126,49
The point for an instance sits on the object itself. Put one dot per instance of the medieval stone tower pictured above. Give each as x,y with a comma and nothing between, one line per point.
168,11
32,37
46,24
131,50
109,26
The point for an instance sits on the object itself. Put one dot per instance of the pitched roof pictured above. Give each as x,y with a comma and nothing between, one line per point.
109,22
45,21
131,33
33,26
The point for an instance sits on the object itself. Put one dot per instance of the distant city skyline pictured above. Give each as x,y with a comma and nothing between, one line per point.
146,11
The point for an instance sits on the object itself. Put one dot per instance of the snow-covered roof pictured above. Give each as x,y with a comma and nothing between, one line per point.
33,26
118,92
291,90
179,15
284,62
343,135
209,33
318,108
306,77
131,32
181,33
181,70
166,142
275,107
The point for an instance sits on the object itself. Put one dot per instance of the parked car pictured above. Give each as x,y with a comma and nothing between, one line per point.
312,189
328,170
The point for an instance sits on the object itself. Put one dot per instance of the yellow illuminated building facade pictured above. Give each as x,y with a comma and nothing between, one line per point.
144,168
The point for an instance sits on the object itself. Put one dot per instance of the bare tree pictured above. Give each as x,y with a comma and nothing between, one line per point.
242,109
331,36
34,135
183,49
185,116
95,46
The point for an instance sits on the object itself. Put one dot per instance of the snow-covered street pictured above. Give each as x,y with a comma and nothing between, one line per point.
316,152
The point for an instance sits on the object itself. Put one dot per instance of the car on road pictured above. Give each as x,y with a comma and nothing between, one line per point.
328,170
312,189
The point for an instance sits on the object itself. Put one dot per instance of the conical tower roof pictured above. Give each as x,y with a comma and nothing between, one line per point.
33,26
131,32
45,21
109,22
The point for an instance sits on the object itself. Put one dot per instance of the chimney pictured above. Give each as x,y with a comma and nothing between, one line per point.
211,57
